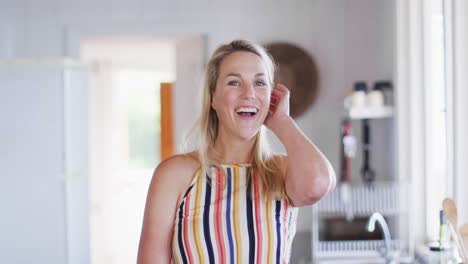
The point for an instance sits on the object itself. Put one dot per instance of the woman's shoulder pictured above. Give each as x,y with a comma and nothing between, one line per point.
174,175
179,164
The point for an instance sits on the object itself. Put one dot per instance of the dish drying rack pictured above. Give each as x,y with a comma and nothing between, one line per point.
383,197
364,200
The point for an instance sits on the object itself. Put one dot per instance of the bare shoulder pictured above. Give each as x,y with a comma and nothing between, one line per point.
178,169
178,163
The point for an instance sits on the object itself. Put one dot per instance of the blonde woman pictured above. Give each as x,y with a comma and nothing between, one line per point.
232,200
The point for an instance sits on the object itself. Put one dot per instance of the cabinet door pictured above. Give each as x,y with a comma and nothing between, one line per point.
43,194
32,196
76,165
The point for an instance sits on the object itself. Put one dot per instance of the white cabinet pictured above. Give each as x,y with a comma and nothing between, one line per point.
44,161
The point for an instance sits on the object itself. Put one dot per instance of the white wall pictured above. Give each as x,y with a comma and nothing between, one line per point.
350,40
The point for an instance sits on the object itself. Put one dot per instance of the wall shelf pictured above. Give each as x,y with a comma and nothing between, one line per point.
369,112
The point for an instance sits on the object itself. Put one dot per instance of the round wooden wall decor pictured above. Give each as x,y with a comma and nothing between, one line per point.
297,71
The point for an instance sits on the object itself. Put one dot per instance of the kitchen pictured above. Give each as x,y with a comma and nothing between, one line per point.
350,41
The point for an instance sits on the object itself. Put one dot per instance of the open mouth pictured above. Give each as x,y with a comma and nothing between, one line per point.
246,111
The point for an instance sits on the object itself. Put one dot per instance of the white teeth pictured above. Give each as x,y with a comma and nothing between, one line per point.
246,110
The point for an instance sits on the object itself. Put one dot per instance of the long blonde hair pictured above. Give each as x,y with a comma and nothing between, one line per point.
206,127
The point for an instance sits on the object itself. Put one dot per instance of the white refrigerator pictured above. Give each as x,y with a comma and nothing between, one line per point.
44,162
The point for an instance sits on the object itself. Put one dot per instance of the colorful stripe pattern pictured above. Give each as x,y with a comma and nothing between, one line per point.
223,218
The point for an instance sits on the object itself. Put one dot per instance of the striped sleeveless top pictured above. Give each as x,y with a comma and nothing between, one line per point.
223,218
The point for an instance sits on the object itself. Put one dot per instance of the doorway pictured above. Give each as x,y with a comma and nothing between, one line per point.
125,77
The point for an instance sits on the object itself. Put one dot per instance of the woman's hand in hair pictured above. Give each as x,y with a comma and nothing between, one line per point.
308,174
279,108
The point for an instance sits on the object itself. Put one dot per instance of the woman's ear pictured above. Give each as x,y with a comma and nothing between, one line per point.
213,105
213,102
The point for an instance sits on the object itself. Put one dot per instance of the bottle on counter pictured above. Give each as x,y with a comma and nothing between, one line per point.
444,235
442,251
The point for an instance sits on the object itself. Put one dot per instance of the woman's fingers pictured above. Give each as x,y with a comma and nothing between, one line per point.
279,106
276,93
278,99
281,88
280,91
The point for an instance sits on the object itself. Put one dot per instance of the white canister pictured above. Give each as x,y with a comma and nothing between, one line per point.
358,98
375,98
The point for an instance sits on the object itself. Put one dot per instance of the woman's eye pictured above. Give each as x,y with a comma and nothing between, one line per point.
233,83
260,83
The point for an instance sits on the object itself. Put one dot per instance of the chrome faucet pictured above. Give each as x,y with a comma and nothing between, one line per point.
377,217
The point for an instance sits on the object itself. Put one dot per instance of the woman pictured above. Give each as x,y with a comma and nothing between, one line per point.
231,200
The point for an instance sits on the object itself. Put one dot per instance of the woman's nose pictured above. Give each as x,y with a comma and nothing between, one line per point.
249,91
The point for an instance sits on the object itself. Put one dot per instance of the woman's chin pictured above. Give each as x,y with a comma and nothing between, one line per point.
248,135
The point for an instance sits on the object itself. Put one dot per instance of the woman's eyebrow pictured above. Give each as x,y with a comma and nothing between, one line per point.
233,74
238,75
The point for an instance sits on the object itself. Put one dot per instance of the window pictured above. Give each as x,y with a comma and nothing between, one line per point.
437,176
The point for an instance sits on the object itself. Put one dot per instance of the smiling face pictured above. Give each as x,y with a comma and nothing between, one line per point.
242,95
